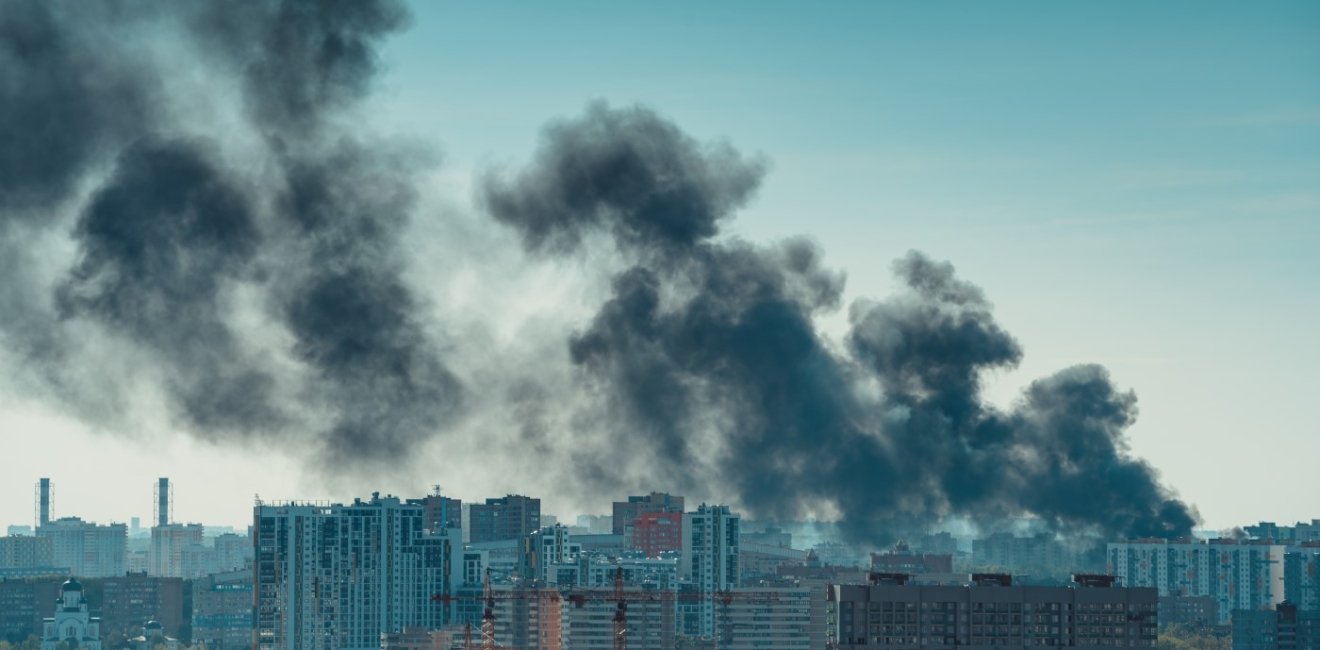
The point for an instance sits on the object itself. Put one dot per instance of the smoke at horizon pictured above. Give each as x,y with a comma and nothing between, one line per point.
262,277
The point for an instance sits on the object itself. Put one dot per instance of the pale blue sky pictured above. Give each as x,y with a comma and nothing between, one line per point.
1135,184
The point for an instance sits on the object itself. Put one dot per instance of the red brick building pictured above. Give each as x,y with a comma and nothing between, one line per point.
656,532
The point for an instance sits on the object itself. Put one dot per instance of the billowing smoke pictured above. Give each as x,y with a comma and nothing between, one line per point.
188,187
709,354
302,210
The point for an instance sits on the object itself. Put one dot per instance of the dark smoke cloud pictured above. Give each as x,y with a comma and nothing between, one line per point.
62,101
627,172
712,346
300,62
161,242
357,324
308,220
705,360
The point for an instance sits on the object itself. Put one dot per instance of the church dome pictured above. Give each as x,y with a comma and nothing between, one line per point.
72,584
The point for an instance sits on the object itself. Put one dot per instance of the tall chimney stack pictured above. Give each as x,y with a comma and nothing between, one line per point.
43,502
163,502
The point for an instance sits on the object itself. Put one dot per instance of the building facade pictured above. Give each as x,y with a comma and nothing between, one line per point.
170,555
991,613
657,533
222,610
1301,577
625,513
512,517
88,550
1282,628
336,577
708,562
1238,575
765,619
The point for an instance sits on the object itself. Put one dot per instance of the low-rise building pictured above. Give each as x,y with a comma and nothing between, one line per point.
991,612
222,610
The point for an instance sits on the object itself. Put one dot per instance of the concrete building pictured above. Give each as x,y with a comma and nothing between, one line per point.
1191,612
657,533
1041,556
528,617
337,576
625,513
901,559
22,552
72,624
88,550
170,546
1282,628
547,550
758,562
512,517
442,512
1298,533
1301,576
589,619
222,610
232,551
765,619
709,560
991,612
127,601
25,603
1238,575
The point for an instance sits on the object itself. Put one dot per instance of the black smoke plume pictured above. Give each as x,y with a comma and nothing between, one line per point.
304,211
708,346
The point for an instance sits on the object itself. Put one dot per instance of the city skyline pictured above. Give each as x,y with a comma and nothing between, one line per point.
1145,204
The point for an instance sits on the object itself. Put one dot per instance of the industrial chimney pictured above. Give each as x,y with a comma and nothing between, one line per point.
43,502
163,502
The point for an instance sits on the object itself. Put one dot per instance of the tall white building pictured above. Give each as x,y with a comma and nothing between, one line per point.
1238,575
88,550
169,551
709,562
336,577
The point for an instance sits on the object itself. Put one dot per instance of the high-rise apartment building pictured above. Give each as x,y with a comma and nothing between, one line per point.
335,577
991,612
443,512
512,517
169,550
547,549
1301,576
708,561
21,552
88,550
1238,575
627,512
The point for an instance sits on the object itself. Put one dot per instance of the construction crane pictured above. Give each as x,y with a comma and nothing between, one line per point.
488,615
620,613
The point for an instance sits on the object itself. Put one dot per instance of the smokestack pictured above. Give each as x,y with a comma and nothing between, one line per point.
43,502
162,502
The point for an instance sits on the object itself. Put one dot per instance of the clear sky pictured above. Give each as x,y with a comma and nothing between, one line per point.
1134,184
